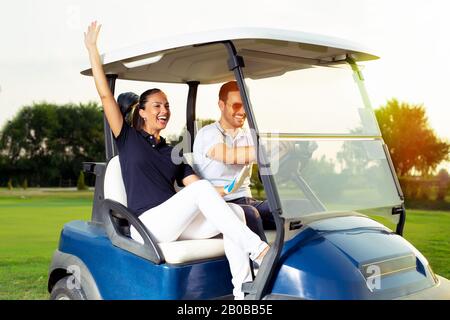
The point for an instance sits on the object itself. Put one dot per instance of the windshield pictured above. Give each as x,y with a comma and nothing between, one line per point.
323,143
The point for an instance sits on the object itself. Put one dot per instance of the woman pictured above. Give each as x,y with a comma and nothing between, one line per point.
197,211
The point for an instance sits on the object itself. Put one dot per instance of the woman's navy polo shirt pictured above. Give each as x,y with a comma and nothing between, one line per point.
147,169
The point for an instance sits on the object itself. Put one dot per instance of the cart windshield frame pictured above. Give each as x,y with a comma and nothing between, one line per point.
322,143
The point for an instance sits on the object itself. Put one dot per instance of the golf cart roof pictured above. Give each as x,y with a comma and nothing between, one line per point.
266,52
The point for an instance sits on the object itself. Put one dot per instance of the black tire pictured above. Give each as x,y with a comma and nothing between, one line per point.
61,291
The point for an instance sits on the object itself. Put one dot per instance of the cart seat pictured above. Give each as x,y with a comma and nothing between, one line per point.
174,252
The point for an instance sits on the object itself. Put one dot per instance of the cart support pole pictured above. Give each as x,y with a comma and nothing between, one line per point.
259,287
365,97
110,146
190,113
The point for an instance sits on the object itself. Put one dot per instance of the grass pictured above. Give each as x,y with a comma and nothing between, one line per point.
31,221
30,224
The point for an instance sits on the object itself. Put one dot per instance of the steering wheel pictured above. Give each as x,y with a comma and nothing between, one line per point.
296,158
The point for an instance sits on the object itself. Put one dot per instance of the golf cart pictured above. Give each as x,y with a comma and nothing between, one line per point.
302,91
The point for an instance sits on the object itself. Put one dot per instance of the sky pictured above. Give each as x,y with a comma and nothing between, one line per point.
42,50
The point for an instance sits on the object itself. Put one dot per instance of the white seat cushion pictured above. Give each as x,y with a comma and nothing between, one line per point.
113,186
174,252
190,250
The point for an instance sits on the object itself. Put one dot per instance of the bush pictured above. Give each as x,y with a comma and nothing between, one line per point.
443,184
426,193
416,188
10,185
81,185
440,205
255,183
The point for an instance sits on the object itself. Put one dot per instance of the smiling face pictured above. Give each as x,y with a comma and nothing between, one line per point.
156,114
233,113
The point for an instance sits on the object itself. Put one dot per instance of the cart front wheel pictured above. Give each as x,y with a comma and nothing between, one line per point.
65,289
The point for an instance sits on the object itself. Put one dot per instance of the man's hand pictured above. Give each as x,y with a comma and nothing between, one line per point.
221,191
237,181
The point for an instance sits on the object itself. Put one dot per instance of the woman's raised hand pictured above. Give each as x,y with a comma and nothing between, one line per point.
90,36
112,110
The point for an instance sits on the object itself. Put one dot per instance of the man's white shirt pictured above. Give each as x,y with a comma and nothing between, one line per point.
217,172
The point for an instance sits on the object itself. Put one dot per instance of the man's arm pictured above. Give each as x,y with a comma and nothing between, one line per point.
235,155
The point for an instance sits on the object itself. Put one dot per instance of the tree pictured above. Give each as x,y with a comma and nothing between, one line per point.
204,122
413,145
45,142
183,138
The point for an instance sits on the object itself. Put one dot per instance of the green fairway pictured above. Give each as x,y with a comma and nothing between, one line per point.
29,230
430,233
30,224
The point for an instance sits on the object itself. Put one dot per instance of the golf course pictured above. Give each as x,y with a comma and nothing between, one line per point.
31,221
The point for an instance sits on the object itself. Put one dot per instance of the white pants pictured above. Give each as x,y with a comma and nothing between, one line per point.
198,212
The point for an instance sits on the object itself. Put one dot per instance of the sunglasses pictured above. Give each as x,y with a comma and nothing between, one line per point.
236,106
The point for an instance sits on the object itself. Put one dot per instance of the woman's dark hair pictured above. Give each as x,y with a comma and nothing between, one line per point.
127,101
137,121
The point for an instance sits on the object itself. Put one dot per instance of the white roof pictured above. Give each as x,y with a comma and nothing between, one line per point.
266,52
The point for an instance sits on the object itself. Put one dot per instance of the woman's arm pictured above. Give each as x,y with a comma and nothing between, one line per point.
192,178
112,110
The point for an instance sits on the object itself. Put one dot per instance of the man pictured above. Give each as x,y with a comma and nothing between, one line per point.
222,149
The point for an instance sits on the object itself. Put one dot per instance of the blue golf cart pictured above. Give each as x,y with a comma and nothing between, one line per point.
327,193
